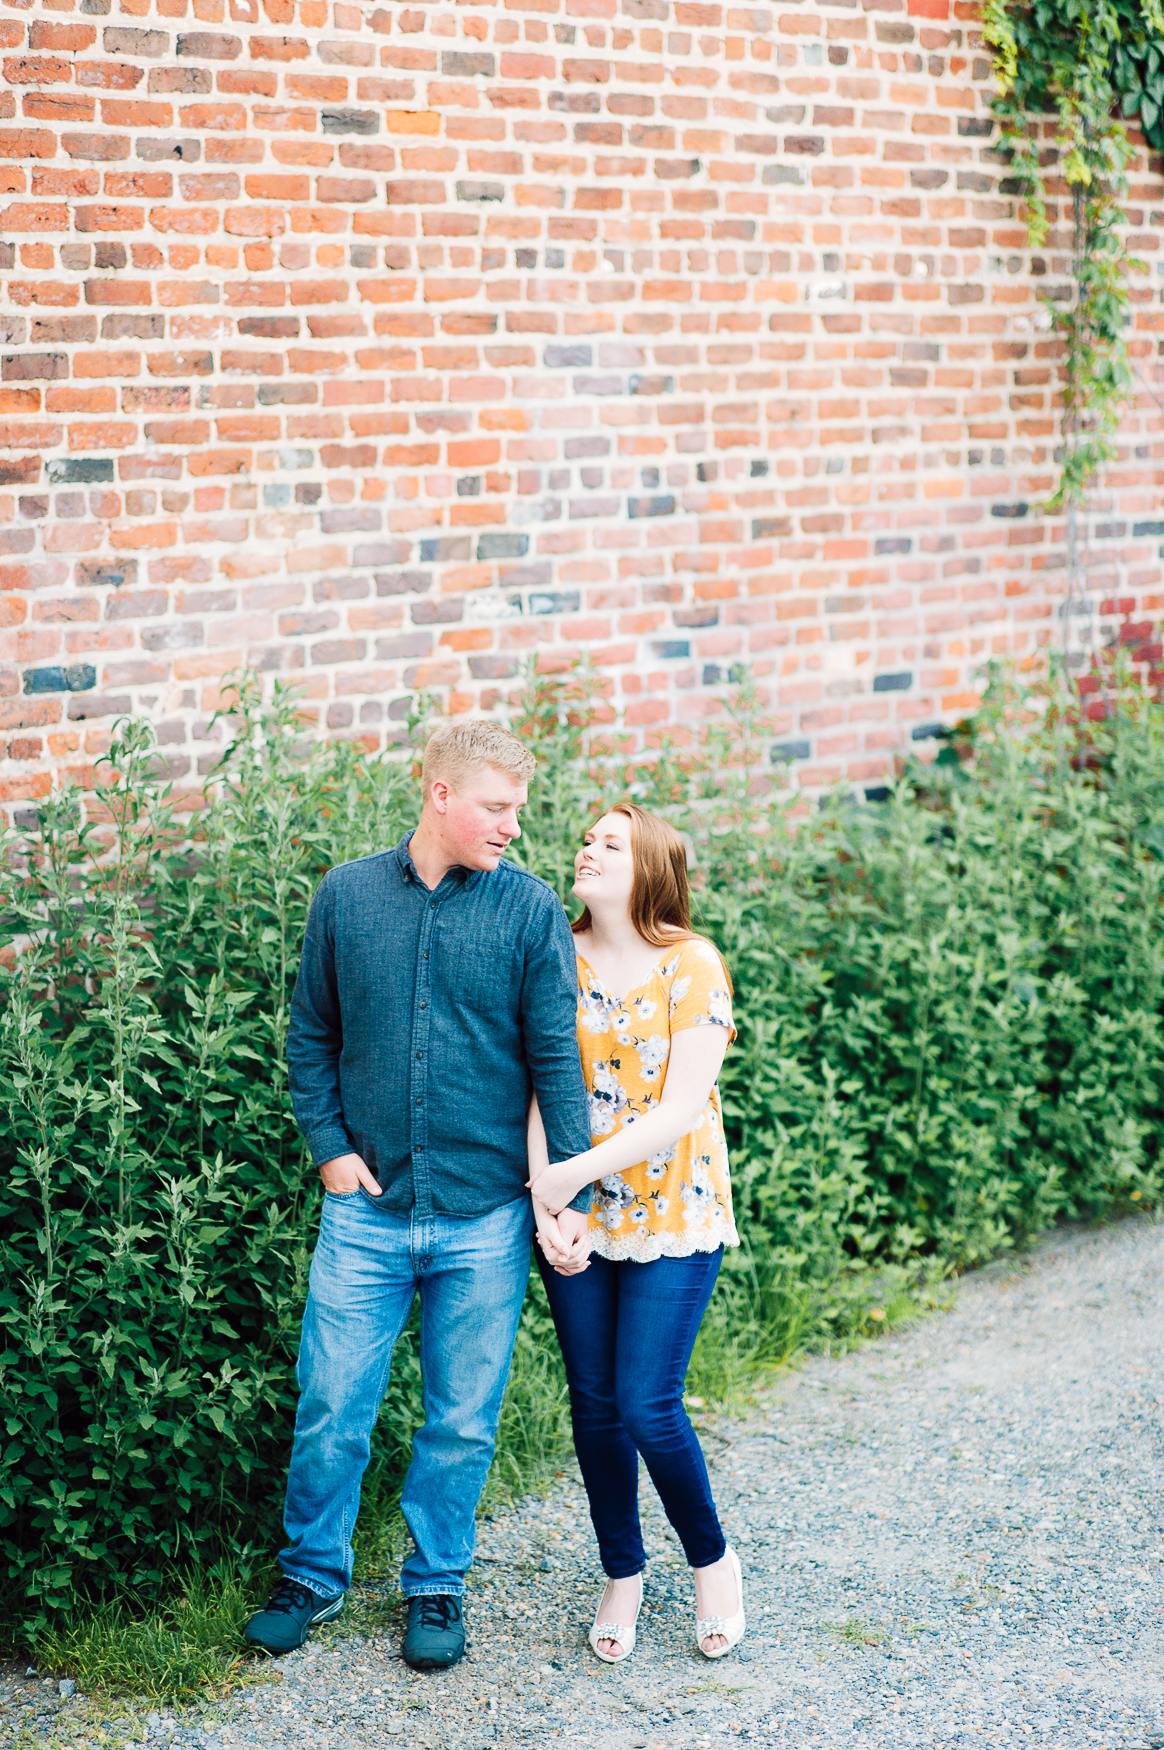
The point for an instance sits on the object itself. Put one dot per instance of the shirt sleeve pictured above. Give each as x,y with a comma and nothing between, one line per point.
549,1008
315,1037
699,995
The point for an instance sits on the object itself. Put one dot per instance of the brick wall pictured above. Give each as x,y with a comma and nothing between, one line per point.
383,346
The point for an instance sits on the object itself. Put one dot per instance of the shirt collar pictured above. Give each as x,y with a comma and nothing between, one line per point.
406,864
465,877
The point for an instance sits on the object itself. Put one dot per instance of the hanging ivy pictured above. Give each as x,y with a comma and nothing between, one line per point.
1090,65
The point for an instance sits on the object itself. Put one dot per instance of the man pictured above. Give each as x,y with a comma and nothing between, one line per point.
436,994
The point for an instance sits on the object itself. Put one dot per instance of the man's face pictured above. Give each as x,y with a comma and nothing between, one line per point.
479,821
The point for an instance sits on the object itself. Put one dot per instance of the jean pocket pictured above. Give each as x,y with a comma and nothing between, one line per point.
342,1196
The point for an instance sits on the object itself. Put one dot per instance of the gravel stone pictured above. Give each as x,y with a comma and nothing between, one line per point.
949,1538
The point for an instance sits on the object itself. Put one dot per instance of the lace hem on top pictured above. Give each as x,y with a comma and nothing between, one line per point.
644,1248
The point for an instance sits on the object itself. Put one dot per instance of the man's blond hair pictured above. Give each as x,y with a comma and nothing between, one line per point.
458,751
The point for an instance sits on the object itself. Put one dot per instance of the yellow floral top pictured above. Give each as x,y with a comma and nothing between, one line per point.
679,1201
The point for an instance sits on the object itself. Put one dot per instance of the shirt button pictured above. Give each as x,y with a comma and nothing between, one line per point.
423,1004
420,1054
432,905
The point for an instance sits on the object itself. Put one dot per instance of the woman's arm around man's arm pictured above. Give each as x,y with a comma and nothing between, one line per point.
692,1067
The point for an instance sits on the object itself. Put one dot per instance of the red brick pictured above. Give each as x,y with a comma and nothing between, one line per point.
109,75
330,90
215,462
57,106
101,435
250,81
586,72
106,364
515,66
33,216
219,117
347,189
71,184
278,48
254,221
278,188
27,143
108,218
65,38
118,291
25,70
98,147
120,113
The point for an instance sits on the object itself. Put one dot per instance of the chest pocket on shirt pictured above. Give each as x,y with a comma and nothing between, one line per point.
484,976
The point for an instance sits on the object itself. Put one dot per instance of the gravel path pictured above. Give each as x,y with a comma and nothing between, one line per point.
950,1537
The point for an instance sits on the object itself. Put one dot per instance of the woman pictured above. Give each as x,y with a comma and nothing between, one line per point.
654,1022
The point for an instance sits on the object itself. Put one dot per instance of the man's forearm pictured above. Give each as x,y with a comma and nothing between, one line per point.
538,1159
315,1040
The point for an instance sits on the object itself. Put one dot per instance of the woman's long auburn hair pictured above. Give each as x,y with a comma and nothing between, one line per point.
660,903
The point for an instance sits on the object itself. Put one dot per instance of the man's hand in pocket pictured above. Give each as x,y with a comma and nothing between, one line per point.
345,1174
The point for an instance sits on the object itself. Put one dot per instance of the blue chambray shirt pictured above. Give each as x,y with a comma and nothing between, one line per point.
422,1021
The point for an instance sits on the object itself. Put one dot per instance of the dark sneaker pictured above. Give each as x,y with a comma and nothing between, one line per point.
435,1636
289,1615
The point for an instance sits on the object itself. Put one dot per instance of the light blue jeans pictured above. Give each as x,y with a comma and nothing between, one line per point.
471,1275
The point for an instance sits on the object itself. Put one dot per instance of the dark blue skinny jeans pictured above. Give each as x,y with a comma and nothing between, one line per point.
627,1331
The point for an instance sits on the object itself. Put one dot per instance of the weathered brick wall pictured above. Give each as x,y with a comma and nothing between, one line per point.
385,346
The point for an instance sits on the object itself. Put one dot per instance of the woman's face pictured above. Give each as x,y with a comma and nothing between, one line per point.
604,869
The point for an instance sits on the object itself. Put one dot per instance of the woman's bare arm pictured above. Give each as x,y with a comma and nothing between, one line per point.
535,1140
695,1061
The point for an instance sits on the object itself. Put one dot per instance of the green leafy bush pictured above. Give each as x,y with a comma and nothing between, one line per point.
949,1017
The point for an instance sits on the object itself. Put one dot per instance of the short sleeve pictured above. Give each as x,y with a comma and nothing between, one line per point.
699,995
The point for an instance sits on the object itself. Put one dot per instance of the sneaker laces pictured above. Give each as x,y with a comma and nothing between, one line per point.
439,1610
290,1595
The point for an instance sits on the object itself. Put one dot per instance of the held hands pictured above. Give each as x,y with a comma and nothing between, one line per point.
563,1239
557,1184
344,1174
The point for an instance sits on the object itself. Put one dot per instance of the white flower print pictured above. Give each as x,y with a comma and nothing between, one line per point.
678,991
612,1198
653,1054
615,1189
698,1195
608,1100
645,1008
719,1010
592,1011
656,1167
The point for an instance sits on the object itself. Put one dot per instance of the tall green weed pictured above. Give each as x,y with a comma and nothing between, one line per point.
949,1015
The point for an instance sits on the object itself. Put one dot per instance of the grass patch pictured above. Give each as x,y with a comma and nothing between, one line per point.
857,1633
188,1645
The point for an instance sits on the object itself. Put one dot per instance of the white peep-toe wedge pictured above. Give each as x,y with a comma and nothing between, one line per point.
623,1633
730,1627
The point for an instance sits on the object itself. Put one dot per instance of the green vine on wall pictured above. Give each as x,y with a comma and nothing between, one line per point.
1082,60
